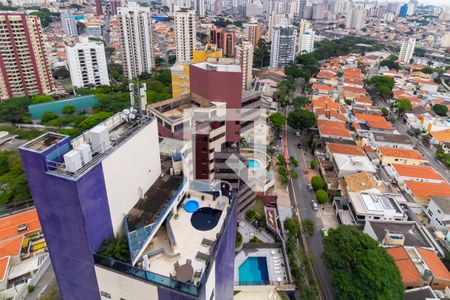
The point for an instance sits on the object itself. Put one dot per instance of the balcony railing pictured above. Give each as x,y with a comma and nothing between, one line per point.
136,272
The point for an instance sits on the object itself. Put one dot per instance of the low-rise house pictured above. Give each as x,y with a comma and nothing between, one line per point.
421,192
385,139
420,293
334,130
362,100
334,148
349,164
375,122
400,156
402,173
441,138
419,267
321,89
359,182
374,205
438,211
22,251
397,233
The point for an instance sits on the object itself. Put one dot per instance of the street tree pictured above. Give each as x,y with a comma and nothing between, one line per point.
277,120
321,196
440,109
403,105
301,119
359,268
308,227
299,102
318,183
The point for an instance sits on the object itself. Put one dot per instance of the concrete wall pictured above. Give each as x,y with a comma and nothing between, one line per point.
130,171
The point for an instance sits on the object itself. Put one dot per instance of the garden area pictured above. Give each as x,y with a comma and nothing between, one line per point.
255,215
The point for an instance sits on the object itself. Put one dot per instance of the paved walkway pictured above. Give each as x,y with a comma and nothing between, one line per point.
46,288
248,231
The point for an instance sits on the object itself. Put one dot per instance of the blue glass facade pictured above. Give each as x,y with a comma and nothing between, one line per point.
403,11
75,220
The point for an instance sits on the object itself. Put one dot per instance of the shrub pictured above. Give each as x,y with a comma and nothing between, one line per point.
116,248
68,109
47,116
31,288
294,174
384,111
314,164
318,183
321,196
255,240
238,241
348,101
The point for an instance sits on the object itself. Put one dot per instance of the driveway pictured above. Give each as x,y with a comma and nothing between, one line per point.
304,197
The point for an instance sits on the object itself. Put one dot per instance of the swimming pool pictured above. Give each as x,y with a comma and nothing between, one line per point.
254,164
205,218
191,206
253,271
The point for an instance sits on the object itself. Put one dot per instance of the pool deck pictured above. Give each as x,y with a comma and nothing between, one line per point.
275,266
188,239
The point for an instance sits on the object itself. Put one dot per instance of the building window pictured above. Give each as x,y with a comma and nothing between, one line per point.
438,221
439,212
430,213
105,294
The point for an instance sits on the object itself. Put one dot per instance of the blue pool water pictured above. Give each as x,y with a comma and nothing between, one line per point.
253,271
254,164
191,206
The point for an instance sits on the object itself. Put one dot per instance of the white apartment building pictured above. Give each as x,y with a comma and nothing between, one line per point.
185,35
307,42
284,39
276,19
407,50
356,18
244,53
69,24
136,39
87,63
304,25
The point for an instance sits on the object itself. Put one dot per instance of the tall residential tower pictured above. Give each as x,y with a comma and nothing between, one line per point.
407,50
24,66
185,35
283,46
136,39
244,53
87,63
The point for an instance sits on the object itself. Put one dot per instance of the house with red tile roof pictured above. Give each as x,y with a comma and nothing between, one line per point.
390,156
334,148
402,173
321,89
333,130
419,267
410,274
421,192
375,122
22,249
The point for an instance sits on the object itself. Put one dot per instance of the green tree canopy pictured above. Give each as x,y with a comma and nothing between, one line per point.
440,109
308,227
47,116
384,111
383,84
359,268
277,120
116,248
261,55
94,119
318,183
321,196
42,99
403,105
68,109
301,119
300,102
292,226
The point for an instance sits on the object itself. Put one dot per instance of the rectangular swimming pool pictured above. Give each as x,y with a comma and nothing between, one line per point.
253,271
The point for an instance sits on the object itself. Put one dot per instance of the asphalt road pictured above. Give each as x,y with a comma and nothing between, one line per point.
304,198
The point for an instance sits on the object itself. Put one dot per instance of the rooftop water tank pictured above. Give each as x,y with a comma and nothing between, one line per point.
72,160
85,152
100,141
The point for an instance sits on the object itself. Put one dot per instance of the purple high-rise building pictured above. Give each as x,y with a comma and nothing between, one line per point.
112,182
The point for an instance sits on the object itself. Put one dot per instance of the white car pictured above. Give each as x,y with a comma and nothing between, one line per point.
314,205
297,133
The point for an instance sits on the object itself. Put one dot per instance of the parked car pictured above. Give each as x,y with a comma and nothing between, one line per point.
309,187
299,146
314,205
297,133
324,232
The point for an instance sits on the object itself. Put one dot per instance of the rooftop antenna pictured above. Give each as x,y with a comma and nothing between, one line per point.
138,96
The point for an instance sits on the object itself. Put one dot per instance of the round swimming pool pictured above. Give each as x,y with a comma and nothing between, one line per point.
254,164
205,218
191,206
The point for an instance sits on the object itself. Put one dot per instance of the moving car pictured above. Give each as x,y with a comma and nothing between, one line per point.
314,205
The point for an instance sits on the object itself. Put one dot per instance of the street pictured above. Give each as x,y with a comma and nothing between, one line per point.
303,198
